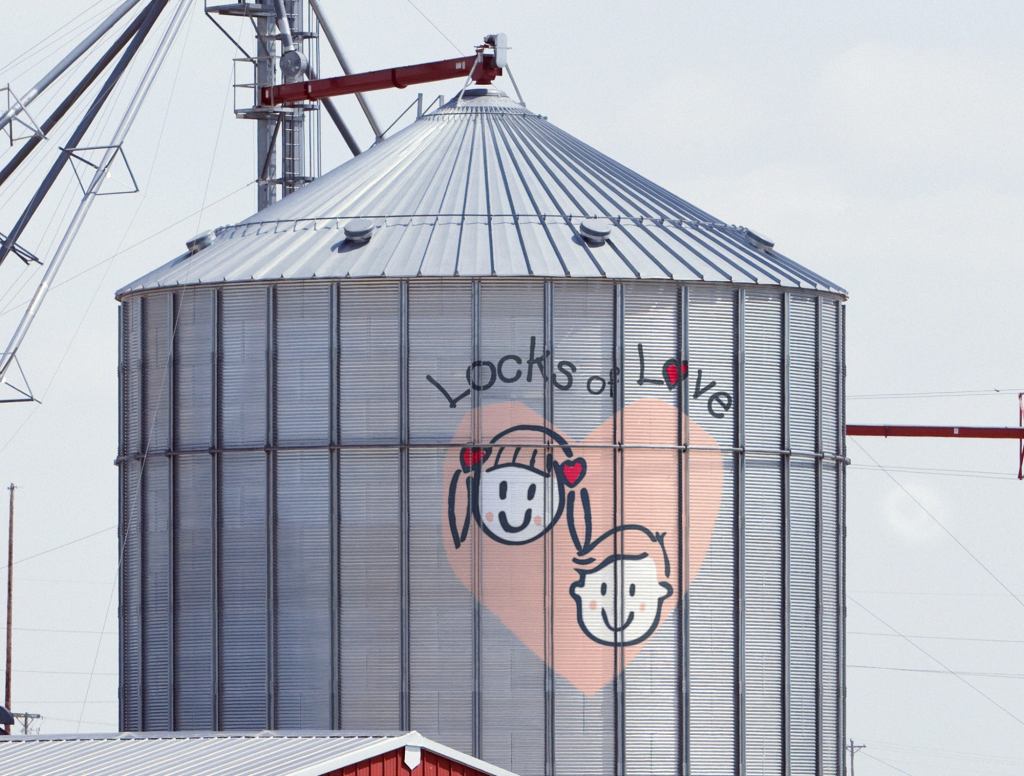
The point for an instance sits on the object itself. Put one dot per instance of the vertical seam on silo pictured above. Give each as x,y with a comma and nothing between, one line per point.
487,192
444,193
786,560
739,530
682,536
521,141
334,486
840,517
819,612
549,561
139,505
502,129
684,317
576,174
172,517
616,386
616,171
511,202
471,132
270,435
405,690
477,701
122,465
216,485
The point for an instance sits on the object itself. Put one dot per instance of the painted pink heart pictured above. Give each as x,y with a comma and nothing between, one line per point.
513,578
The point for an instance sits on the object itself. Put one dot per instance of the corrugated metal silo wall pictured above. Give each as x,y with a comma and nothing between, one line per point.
303,468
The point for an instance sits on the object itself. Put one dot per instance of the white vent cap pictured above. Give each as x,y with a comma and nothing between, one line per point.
594,231
758,241
360,230
200,241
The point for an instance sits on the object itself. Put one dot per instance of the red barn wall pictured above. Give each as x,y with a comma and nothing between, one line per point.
391,764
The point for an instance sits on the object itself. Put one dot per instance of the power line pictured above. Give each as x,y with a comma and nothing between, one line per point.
133,246
935,638
930,751
941,594
985,674
887,764
67,630
935,394
981,475
61,673
60,546
942,525
932,657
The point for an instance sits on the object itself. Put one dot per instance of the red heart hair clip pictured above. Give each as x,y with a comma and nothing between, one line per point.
473,456
573,471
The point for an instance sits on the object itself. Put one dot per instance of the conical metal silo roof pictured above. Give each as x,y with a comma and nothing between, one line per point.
485,187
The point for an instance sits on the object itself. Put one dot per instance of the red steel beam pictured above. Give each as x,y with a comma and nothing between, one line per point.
393,77
963,432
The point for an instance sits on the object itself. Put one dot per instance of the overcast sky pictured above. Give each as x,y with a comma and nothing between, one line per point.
878,143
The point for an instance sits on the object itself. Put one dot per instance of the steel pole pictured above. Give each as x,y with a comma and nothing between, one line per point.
151,14
343,62
69,60
10,601
7,356
339,122
72,98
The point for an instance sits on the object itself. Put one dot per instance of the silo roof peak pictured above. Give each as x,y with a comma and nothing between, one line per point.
484,187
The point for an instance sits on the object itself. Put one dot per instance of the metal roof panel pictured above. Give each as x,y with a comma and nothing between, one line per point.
483,187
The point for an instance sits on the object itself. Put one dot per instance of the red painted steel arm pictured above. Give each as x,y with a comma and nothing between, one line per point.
964,432
394,77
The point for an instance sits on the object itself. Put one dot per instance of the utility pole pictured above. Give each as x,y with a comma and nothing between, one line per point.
10,602
854,748
26,720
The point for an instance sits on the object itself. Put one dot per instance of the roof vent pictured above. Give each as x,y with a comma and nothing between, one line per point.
359,230
200,241
594,232
758,241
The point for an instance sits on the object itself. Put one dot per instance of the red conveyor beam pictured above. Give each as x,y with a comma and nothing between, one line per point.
393,77
963,432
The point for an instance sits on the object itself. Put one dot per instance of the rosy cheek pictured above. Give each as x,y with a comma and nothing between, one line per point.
642,607
489,517
537,519
593,605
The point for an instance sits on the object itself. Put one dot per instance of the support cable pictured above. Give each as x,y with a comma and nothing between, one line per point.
149,19
138,96
54,38
332,40
942,665
72,98
942,525
339,122
57,70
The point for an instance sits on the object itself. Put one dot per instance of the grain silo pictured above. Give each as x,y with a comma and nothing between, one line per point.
485,435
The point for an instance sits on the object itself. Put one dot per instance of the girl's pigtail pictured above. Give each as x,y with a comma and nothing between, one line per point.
582,542
459,532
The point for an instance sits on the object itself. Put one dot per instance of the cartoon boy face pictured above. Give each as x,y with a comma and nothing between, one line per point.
619,601
512,503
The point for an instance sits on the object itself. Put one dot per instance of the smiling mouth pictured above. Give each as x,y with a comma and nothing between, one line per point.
503,519
612,628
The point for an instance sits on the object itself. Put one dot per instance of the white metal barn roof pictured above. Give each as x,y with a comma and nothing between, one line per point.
213,754
484,187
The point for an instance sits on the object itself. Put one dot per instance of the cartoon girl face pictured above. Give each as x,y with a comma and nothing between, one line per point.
504,487
511,503
619,600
